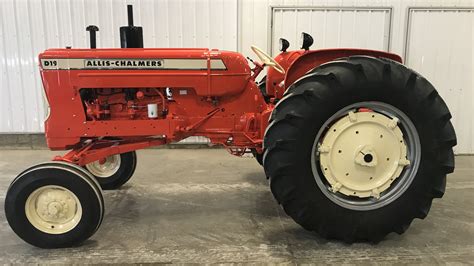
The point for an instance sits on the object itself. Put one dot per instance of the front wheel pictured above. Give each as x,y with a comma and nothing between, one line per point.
113,171
358,148
54,205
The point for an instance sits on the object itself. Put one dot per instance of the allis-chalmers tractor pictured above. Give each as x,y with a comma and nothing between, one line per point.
355,144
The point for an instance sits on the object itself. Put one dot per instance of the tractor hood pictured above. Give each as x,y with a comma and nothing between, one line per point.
144,59
208,72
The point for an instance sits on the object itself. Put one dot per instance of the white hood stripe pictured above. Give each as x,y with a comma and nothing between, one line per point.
130,64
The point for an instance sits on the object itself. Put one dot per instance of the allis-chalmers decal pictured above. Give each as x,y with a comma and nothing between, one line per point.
128,63
117,63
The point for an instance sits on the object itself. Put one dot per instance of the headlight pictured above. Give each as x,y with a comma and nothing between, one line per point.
284,44
306,41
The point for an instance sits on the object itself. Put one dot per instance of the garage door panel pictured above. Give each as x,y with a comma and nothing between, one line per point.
439,46
319,32
288,24
333,30
303,23
332,27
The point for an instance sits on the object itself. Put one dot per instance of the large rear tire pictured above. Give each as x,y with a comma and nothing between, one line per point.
319,176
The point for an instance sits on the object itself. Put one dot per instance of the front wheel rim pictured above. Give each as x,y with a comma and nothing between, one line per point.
105,168
383,181
53,209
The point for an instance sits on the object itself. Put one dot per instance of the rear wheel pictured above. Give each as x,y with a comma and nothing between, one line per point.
53,205
358,148
113,171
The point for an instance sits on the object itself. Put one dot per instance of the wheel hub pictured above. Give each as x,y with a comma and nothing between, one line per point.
53,209
362,154
366,156
54,205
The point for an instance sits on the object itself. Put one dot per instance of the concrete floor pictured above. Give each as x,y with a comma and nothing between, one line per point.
207,206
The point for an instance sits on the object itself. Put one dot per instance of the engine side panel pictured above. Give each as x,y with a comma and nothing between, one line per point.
105,93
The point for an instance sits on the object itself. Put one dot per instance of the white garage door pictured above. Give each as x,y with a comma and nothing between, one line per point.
440,46
332,27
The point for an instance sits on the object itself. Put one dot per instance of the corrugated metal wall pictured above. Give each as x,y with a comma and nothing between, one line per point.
442,50
29,27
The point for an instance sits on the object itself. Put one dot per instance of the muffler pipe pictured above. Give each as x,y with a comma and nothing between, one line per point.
131,36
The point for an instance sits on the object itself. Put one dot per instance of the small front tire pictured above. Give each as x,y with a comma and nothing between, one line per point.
113,171
54,205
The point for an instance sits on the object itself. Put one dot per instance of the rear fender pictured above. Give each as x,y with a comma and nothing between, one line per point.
308,60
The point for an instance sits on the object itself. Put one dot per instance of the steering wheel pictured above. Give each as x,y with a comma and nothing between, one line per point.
267,60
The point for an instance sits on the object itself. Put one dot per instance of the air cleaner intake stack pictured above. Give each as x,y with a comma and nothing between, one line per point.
131,36
92,34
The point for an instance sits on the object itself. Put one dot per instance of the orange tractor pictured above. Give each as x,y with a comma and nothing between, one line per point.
355,145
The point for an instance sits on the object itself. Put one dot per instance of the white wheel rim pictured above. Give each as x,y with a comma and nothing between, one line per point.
393,179
106,168
362,154
53,209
